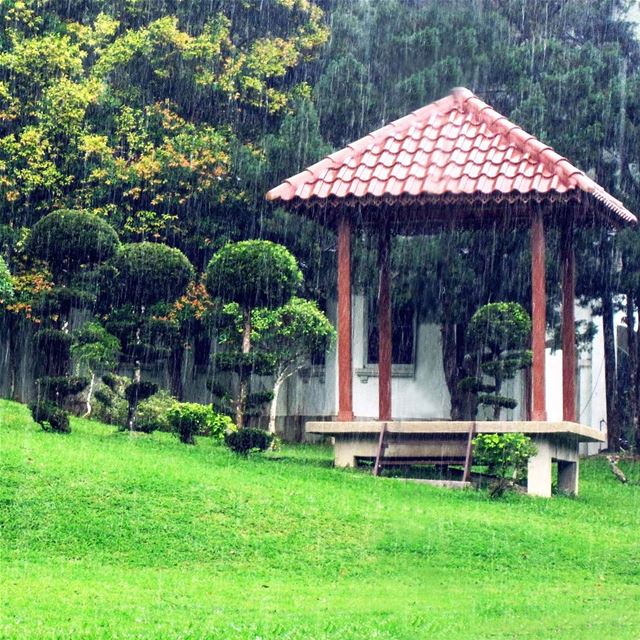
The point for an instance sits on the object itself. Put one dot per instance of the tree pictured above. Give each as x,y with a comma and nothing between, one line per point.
151,278
291,334
252,274
94,348
72,244
499,333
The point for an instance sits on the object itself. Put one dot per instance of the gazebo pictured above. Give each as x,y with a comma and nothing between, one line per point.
455,163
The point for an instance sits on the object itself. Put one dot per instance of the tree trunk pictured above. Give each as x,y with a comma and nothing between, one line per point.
175,371
243,391
634,370
610,375
462,402
92,385
277,385
497,408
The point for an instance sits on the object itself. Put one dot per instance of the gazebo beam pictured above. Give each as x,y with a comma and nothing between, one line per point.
568,325
384,325
345,381
539,319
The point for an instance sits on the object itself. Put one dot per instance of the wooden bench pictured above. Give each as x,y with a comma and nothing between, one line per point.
445,442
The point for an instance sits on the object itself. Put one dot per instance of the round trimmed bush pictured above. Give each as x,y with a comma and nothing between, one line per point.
139,391
247,440
253,273
188,419
69,239
50,416
150,272
151,414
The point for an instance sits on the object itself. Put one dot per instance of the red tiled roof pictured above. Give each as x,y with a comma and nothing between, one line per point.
457,146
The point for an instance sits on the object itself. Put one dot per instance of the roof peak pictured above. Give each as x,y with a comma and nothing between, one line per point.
456,146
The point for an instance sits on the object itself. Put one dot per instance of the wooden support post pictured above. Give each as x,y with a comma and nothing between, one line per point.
345,391
380,451
384,326
539,320
468,458
568,325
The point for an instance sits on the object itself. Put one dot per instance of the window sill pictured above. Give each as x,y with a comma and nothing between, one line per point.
397,371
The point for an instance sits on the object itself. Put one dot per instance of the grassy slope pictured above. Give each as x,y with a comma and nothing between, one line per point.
108,535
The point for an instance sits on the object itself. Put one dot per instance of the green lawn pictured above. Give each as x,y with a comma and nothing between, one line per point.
109,535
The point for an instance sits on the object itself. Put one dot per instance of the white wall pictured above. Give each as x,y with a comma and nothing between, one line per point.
424,395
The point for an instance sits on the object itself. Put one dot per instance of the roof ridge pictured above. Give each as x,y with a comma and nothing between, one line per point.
525,141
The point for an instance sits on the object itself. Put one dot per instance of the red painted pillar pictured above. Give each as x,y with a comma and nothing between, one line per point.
568,325
384,326
345,390
539,320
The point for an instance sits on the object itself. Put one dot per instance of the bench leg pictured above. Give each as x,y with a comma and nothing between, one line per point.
568,477
539,471
344,454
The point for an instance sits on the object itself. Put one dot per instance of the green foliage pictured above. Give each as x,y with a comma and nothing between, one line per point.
152,413
253,273
139,391
244,364
6,287
94,347
189,419
57,388
248,440
69,240
505,455
293,333
150,272
50,416
498,335
54,349
110,406
500,326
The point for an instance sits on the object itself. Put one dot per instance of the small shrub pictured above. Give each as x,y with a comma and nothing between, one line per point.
110,405
248,440
505,455
50,416
221,424
151,414
57,388
139,391
189,419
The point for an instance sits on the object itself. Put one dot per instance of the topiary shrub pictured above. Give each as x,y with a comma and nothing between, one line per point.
506,456
54,351
253,273
152,413
57,388
150,272
135,393
67,240
50,416
189,419
247,276
498,337
248,440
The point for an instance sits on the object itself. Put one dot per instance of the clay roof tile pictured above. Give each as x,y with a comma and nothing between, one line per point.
457,145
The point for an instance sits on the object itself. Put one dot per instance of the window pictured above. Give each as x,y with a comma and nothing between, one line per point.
403,341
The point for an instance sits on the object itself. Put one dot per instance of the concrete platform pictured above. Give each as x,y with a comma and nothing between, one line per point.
441,441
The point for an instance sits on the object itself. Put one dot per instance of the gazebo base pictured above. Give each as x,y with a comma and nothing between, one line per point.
445,442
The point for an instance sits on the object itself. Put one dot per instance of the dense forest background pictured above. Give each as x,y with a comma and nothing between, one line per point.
171,119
